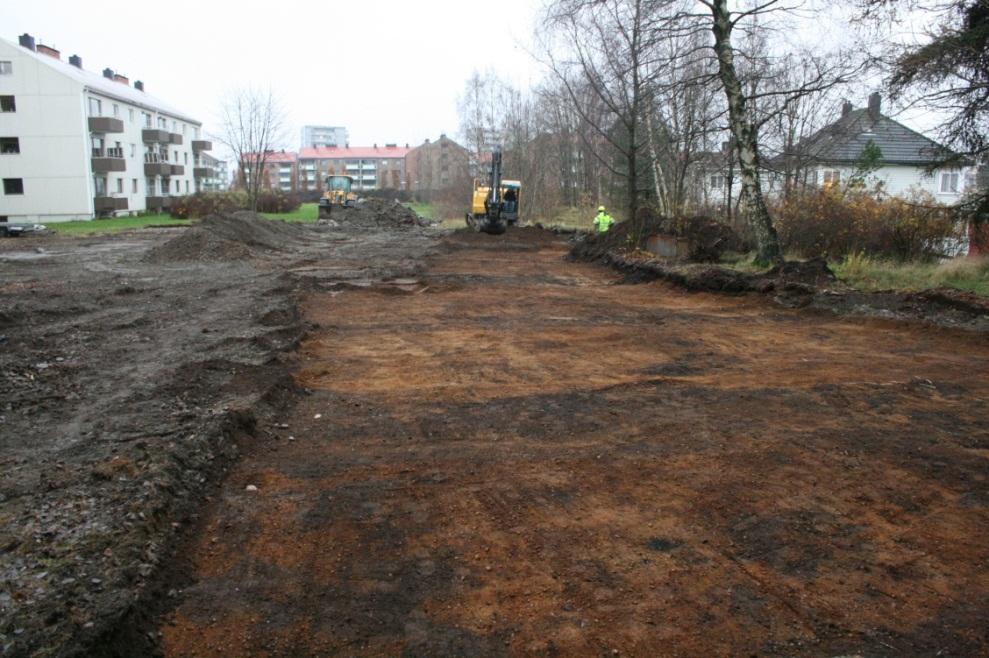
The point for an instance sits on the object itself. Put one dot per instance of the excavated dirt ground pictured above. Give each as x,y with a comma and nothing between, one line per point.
511,454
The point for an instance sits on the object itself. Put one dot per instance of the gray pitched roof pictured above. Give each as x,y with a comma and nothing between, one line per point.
842,142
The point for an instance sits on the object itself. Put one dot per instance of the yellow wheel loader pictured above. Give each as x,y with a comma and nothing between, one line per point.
496,202
338,193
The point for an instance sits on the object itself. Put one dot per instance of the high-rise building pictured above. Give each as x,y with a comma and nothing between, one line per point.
75,144
323,136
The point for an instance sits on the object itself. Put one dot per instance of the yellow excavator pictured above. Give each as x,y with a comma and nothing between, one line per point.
496,202
339,192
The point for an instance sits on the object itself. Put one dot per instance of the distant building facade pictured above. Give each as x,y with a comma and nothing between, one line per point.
371,167
323,136
434,166
211,174
77,144
280,172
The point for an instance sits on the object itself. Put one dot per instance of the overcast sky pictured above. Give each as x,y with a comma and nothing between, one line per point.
387,70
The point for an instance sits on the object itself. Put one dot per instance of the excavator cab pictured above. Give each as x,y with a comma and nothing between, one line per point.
496,202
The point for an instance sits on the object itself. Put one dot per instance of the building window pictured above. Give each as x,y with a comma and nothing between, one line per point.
95,107
130,114
185,158
718,182
183,128
177,188
120,186
949,182
116,111
133,150
13,186
99,185
9,145
195,133
6,68
150,184
162,124
133,186
187,187
147,119
831,177
7,104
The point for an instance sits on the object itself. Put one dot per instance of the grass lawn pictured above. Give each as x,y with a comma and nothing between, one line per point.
114,224
868,273
307,213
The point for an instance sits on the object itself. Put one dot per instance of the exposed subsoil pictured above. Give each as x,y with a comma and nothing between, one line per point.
133,370
510,453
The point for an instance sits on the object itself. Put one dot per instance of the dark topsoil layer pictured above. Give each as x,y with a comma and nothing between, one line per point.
808,284
133,369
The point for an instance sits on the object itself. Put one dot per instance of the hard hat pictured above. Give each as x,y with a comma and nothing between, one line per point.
600,208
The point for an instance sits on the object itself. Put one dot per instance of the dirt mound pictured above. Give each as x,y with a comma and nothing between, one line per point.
708,239
236,236
952,298
378,213
814,272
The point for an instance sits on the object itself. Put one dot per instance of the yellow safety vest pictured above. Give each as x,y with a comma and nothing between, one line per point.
603,222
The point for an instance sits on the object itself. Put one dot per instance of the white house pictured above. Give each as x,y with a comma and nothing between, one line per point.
833,155
75,144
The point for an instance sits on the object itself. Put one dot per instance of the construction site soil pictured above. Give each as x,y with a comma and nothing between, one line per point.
368,438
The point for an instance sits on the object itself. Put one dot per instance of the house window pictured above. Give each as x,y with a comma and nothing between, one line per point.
99,185
150,184
120,186
162,124
7,104
831,177
949,182
133,186
177,188
13,186
6,68
147,119
116,111
95,107
9,145
718,182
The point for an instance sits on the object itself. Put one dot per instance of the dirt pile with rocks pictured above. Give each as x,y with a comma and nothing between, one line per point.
236,236
378,213
707,238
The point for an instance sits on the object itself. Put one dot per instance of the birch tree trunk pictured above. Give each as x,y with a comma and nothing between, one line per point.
662,195
746,137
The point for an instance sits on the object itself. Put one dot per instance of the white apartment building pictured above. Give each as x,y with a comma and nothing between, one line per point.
323,136
75,144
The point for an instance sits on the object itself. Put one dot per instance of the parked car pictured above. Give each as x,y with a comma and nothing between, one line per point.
15,230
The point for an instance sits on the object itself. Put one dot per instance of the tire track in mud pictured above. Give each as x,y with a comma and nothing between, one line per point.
517,456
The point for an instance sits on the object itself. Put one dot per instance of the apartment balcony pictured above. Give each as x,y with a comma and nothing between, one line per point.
176,138
109,203
155,165
105,125
157,202
155,136
178,170
199,145
203,172
107,160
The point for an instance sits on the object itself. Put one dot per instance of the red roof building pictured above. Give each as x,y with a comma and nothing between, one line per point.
372,167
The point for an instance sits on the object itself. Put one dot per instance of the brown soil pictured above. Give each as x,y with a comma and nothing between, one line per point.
509,454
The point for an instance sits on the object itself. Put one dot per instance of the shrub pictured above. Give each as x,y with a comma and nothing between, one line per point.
277,201
204,204
835,223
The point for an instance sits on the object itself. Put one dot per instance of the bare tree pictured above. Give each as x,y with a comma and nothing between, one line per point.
252,125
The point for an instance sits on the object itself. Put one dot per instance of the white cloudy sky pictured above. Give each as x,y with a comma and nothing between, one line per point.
387,70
